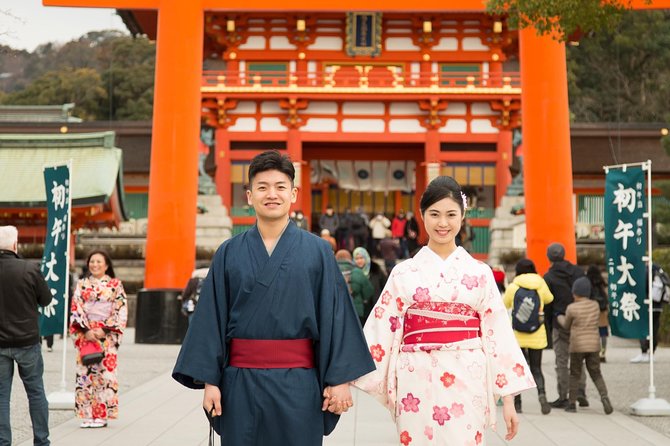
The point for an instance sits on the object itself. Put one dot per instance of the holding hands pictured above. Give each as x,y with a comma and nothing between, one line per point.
337,399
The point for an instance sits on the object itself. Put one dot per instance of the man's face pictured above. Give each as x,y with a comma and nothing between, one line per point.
271,195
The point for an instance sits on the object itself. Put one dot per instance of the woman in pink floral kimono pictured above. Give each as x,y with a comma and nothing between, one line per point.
99,314
441,338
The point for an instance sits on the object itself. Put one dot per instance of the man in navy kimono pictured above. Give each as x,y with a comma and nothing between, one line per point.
275,339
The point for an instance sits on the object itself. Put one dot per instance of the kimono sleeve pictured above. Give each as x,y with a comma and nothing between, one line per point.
383,332
78,319
119,318
508,371
203,353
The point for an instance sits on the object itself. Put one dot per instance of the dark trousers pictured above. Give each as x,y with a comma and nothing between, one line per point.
31,369
592,366
655,322
562,351
534,359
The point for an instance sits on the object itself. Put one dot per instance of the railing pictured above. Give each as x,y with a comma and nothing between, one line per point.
359,77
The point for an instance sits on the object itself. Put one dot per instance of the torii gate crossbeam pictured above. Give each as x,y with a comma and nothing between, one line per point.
170,253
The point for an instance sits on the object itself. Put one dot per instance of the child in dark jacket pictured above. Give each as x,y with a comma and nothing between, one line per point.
581,318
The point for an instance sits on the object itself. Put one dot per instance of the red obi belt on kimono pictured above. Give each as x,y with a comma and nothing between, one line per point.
440,323
272,353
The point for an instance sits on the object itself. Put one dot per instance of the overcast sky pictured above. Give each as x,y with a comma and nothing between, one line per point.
25,24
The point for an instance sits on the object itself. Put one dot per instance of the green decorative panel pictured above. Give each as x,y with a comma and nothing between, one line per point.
480,244
238,229
458,70
242,212
270,72
480,213
137,205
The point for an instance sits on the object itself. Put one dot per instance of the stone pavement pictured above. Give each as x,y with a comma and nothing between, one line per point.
155,410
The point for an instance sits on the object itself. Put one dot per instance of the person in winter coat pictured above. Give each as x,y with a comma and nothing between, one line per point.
533,343
360,286
22,290
412,233
374,274
378,227
581,320
560,277
329,220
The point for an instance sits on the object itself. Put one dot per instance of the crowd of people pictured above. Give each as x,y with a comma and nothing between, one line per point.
284,322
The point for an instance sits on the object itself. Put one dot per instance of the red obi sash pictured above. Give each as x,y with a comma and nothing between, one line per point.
440,323
271,353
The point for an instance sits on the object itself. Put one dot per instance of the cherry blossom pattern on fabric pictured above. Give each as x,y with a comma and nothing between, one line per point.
410,403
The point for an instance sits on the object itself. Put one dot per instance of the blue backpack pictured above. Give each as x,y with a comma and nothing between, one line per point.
526,314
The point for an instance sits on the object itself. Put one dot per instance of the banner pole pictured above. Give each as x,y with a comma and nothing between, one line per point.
650,278
650,406
66,307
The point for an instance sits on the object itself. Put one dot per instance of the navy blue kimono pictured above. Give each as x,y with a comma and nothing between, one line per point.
298,292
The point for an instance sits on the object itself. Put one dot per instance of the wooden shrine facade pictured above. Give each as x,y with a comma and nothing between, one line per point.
439,92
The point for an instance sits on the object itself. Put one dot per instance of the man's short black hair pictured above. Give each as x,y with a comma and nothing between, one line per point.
271,160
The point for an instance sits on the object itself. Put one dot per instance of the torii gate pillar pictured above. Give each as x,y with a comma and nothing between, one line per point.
173,178
547,160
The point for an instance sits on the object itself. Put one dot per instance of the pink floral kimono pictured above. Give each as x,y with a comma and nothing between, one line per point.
444,348
98,303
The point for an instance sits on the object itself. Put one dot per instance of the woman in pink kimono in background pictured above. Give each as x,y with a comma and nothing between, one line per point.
441,338
98,312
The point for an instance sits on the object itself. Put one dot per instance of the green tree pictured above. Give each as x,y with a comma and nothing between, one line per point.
128,71
118,68
82,86
560,18
623,75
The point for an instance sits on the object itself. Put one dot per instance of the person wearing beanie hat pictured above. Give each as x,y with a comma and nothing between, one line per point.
581,319
555,252
582,287
560,277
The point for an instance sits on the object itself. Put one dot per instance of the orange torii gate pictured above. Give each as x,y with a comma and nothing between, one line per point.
170,253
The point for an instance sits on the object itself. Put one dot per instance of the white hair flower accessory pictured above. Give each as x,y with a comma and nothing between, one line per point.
465,201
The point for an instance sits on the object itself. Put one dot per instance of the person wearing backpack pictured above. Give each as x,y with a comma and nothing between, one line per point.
526,296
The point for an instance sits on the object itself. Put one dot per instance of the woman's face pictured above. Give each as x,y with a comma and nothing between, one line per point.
360,261
443,221
97,265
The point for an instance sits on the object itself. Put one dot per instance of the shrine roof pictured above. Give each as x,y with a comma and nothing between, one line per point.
37,113
96,169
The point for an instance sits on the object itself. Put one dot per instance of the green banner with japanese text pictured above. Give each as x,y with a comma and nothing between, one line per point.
55,259
625,246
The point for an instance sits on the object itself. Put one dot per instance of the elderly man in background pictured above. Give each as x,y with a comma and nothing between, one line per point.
22,291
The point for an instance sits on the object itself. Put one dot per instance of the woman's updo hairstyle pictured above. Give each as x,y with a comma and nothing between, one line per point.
440,188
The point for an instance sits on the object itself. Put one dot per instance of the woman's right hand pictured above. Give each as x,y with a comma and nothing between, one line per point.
90,335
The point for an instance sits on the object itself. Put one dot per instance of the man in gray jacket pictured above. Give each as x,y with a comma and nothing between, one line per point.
22,291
